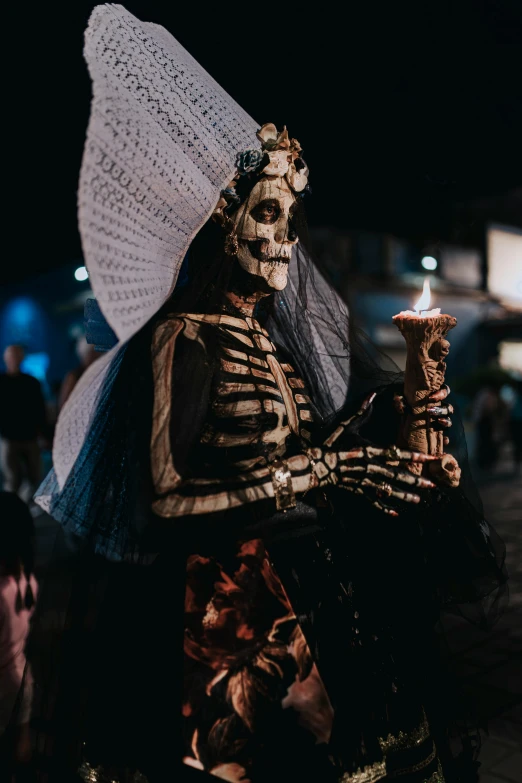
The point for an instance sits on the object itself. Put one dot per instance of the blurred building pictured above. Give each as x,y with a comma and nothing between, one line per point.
477,279
479,282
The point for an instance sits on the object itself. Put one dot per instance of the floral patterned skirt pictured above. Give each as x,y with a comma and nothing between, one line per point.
255,708
252,695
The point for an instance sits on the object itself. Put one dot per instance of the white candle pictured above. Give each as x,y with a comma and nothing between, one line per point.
423,314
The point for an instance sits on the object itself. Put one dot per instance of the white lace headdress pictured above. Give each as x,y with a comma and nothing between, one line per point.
161,144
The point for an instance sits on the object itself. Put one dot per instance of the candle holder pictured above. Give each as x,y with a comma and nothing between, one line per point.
427,348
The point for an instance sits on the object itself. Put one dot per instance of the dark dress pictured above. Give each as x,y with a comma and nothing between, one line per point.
257,704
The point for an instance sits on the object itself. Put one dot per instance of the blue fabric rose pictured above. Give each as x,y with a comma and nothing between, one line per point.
248,160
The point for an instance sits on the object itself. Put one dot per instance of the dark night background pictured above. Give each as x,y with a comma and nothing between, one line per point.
405,115
410,118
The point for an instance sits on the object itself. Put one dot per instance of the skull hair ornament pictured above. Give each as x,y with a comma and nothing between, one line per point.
259,229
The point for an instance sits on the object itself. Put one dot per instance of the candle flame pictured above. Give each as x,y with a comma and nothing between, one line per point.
424,301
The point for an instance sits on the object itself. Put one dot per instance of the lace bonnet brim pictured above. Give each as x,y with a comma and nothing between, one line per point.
161,144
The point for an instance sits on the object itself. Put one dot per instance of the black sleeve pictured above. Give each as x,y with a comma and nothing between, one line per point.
192,373
463,555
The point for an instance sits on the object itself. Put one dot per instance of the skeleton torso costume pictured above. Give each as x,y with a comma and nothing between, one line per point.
258,411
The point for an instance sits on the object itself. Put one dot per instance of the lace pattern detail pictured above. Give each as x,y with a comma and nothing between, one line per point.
162,142
367,775
405,739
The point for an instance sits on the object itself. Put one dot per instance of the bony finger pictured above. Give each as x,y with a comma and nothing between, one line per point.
417,456
443,423
388,490
351,468
405,478
346,456
345,480
387,509
374,451
445,440
424,483
439,410
337,433
367,402
340,429
372,467
418,481
391,454
441,394
395,454
399,403
438,396
407,497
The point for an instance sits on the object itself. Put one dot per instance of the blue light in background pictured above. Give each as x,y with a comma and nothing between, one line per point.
36,364
23,321
19,314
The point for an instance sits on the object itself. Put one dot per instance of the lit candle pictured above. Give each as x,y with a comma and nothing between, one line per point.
426,349
420,308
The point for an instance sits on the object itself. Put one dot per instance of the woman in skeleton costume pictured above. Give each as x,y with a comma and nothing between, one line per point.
258,574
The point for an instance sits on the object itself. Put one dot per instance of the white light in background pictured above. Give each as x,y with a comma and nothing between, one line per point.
510,356
430,263
81,274
505,264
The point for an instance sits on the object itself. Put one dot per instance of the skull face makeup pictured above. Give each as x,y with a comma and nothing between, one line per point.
265,232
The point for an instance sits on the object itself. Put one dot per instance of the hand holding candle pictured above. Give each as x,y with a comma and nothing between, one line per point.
425,334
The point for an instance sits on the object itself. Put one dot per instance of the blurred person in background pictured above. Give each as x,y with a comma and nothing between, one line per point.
489,416
87,355
22,421
516,424
18,590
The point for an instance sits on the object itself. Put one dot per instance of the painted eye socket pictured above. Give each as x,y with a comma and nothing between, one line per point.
266,211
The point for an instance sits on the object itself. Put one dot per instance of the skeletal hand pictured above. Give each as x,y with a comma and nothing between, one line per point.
439,410
366,470
351,424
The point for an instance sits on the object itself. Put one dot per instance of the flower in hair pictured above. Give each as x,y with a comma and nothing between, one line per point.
249,160
279,156
295,149
284,156
278,163
230,195
271,139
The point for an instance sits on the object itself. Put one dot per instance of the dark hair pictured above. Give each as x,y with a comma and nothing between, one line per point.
16,542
